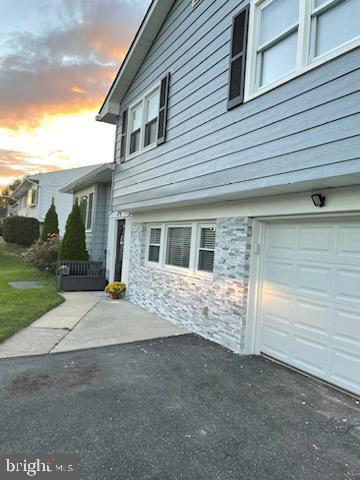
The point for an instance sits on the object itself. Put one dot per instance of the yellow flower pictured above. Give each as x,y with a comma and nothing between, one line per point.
116,289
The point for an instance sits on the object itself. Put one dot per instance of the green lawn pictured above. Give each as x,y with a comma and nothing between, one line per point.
19,308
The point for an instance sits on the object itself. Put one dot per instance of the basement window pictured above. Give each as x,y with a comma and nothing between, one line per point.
183,248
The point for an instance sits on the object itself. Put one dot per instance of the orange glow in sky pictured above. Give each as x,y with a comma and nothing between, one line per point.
56,64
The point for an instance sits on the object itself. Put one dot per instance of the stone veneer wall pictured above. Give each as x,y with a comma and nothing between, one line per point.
214,308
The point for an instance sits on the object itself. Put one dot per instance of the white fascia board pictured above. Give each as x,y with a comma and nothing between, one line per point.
144,38
86,179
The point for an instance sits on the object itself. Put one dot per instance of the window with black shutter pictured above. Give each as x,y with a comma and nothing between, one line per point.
238,58
123,135
163,107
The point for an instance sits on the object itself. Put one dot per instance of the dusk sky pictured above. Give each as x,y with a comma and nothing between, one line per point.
57,61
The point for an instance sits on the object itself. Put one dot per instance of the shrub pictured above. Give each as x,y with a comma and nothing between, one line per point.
116,289
51,223
44,255
73,246
1,228
21,230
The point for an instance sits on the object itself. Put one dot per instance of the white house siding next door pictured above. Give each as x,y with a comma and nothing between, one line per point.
310,298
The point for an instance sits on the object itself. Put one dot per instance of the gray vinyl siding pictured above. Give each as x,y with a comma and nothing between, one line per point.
307,129
96,239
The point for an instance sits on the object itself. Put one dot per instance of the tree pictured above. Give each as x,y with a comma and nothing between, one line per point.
73,246
6,196
51,223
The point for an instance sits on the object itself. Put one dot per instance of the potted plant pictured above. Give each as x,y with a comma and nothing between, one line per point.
116,290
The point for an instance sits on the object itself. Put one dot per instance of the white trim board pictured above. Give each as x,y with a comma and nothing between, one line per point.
337,200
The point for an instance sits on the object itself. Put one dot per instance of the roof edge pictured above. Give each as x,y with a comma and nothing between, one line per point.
140,46
71,187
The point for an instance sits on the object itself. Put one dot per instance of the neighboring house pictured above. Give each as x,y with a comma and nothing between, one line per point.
236,189
35,193
93,192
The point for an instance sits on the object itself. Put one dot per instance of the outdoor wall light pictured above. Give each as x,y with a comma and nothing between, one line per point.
318,200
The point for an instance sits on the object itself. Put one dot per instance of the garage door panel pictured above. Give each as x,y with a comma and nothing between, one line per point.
314,280
345,370
349,244
310,355
281,242
346,327
312,318
280,275
347,286
310,310
277,306
316,240
275,341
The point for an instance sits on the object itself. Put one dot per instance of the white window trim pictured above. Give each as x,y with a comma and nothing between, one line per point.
305,60
142,149
85,193
29,202
194,249
148,244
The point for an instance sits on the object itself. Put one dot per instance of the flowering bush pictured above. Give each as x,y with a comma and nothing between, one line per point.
44,255
116,289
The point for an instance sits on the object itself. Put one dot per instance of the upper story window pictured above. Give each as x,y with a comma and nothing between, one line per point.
281,39
32,196
143,124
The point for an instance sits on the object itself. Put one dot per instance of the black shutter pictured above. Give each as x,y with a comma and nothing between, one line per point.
123,135
163,107
239,40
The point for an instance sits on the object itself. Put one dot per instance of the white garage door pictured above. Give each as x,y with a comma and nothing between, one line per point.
310,298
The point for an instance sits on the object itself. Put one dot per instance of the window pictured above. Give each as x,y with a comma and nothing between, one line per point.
334,24
83,208
135,128
277,44
206,249
288,37
86,209
178,246
151,118
154,245
32,196
90,211
143,122
189,247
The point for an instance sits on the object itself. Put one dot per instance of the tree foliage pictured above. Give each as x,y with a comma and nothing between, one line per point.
73,246
21,230
6,196
51,223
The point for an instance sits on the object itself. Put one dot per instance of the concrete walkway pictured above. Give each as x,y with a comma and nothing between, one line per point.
85,320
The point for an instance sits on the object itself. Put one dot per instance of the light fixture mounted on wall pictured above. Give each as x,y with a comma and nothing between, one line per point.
318,200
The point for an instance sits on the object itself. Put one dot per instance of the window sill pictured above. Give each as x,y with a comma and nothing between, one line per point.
140,152
314,64
179,271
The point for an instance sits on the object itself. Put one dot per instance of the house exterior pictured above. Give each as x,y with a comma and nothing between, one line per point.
93,192
236,187
35,193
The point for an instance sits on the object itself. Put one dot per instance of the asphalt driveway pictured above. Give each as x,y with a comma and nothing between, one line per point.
178,408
